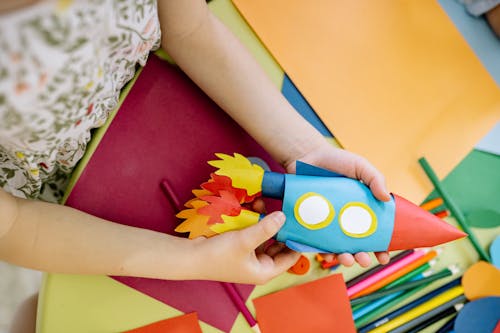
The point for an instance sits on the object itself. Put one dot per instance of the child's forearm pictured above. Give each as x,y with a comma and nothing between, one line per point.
60,239
212,56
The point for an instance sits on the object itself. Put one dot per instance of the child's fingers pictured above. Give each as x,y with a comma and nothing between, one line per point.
255,235
382,257
346,259
281,262
373,178
377,186
363,259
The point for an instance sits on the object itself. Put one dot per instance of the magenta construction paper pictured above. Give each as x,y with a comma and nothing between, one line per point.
166,129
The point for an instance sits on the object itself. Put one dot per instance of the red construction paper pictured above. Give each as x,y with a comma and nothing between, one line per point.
318,306
165,129
187,323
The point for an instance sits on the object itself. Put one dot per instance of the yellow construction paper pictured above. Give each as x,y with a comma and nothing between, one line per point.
86,303
393,81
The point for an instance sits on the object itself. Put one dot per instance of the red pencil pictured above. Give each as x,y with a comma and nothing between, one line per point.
240,304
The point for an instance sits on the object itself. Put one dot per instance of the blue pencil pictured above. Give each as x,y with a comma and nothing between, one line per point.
373,305
409,306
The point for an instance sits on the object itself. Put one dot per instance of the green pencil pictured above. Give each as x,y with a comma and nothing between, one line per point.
405,286
381,309
455,211
399,281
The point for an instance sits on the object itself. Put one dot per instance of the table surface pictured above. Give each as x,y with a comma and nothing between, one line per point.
100,304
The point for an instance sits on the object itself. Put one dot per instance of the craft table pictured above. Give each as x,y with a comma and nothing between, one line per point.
74,303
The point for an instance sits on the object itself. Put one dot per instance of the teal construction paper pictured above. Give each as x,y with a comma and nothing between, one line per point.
491,142
478,34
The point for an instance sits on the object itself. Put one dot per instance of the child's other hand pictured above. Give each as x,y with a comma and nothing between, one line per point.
353,166
241,256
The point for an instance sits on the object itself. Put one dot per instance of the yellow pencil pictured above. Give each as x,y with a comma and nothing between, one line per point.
419,310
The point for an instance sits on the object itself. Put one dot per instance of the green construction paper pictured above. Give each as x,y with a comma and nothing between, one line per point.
455,210
475,183
486,218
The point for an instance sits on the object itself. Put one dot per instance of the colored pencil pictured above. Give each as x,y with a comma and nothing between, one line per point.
432,204
393,301
446,313
378,268
358,287
397,274
416,274
455,303
454,209
380,321
238,301
420,310
442,214
404,286
360,310
172,198
448,326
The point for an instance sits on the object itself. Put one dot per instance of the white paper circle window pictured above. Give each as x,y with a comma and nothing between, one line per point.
357,219
314,211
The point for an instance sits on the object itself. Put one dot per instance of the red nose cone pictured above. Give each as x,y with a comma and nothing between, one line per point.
415,227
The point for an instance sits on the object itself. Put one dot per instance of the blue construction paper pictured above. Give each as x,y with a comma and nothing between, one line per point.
299,247
295,98
302,168
478,35
495,252
491,142
481,315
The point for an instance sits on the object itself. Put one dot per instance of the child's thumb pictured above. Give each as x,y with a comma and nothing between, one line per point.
265,229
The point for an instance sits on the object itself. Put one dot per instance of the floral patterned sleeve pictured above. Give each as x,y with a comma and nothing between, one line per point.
62,66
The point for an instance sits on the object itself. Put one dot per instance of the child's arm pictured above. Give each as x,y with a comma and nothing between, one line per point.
212,56
61,239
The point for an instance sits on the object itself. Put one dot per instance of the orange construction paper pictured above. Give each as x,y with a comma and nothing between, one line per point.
318,306
481,280
187,323
393,80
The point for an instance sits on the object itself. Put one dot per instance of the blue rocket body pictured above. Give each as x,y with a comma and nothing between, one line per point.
330,213
344,214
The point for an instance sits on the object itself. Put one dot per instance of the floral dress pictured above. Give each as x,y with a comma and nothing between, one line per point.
62,66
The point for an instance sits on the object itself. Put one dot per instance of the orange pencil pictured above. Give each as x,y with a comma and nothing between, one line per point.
403,271
431,204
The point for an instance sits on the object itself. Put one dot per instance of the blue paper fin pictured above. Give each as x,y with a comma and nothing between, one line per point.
299,247
302,168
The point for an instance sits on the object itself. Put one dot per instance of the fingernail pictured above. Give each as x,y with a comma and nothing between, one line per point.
279,217
385,258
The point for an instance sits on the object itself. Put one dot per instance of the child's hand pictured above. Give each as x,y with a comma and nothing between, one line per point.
353,166
240,256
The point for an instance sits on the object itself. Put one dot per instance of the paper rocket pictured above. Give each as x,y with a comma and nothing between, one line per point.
325,212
